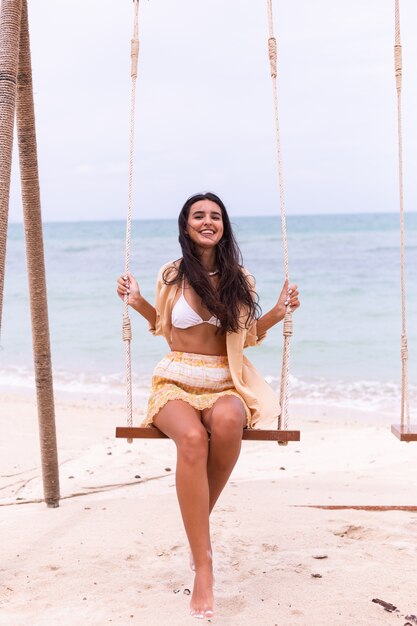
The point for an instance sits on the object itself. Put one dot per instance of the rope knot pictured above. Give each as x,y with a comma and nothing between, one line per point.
287,326
404,348
272,50
126,328
134,53
398,65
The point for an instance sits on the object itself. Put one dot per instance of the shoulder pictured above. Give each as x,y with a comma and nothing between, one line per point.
250,278
168,270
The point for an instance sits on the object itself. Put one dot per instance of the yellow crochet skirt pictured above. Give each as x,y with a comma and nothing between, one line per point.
198,379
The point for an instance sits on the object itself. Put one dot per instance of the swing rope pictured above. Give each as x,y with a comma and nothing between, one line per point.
287,330
287,325
405,402
126,325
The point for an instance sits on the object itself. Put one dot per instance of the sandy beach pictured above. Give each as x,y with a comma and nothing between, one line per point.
322,202
115,550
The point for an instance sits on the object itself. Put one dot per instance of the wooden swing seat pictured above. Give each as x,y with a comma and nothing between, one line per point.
282,436
129,432
403,433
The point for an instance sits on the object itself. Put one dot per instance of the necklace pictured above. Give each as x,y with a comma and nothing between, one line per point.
213,273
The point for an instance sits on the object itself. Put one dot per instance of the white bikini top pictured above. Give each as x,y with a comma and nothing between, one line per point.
183,315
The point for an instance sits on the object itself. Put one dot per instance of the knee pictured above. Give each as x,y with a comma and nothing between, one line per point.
193,446
227,422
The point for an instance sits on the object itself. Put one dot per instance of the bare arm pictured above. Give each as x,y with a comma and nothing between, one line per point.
130,286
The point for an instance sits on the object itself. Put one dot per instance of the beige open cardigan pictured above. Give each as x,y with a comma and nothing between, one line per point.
261,399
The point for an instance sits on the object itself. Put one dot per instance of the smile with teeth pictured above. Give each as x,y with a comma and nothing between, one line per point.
206,232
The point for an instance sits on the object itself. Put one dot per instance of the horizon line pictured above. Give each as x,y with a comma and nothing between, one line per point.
167,219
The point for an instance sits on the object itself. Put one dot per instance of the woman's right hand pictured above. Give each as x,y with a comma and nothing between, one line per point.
128,284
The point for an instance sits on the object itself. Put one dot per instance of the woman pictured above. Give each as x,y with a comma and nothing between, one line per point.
205,392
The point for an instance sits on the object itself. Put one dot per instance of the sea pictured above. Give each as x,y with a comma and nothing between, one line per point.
346,344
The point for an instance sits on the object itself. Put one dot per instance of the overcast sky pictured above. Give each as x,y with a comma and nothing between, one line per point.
205,111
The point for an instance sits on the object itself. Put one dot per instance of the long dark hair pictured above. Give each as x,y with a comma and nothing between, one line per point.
233,301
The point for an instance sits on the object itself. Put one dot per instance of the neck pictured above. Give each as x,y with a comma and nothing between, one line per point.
208,258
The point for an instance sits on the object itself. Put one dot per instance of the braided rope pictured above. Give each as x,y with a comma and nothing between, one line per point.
29,176
9,53
287,326
405,402
126,325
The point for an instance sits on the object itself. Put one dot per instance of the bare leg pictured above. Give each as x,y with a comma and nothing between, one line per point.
183,425
225,421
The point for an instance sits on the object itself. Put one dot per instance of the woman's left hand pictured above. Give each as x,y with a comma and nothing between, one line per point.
288,297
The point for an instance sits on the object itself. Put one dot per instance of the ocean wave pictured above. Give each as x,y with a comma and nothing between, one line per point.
79,383
367,395
86,248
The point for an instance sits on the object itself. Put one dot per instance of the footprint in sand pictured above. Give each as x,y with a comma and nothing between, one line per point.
354,532
270,547
226,508
5,594
296,612
176,547
231,605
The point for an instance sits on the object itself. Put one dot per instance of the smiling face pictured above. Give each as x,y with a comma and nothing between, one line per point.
205,223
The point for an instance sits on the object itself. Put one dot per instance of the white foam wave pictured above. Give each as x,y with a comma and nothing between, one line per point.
80,383
369,395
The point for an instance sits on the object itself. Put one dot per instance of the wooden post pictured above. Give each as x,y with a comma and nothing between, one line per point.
9,53
26,132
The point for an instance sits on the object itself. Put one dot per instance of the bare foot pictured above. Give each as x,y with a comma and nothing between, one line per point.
202,601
